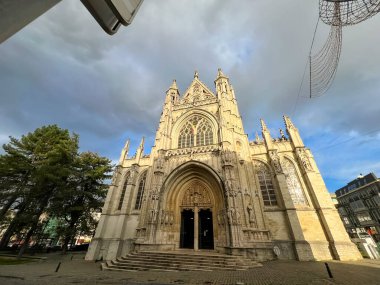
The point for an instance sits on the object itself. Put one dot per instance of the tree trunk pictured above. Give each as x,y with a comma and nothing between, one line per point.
6,207
70,232
27,238
37,216
16,222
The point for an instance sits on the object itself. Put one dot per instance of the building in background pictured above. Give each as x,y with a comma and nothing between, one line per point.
359,206
205,186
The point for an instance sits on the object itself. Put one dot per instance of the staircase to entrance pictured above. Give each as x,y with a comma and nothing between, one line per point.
179,261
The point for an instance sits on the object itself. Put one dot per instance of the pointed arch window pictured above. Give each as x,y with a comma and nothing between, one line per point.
140,192
266,184
123,190
293,183
196,132
186,136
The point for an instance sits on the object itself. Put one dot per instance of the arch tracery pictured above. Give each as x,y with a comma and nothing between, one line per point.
293,183
197,131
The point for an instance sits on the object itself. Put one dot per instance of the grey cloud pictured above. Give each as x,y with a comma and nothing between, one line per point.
64,69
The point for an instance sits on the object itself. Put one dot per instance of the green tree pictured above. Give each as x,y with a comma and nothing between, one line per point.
82,199
32,171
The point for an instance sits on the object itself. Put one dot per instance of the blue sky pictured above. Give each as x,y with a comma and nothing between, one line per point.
63,69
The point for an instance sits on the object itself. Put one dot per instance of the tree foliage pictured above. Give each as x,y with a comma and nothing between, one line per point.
43,175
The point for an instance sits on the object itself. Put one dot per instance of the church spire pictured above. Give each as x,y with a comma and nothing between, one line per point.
293,133
263,126
222,84
172,94
124,152
220,74
266,135
174,85
140,150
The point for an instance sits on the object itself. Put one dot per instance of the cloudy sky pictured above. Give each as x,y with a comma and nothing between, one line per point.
63,69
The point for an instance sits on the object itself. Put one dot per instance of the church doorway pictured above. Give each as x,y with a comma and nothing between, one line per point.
187,229
206,233
197,230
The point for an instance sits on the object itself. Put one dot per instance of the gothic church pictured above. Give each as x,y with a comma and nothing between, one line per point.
205,186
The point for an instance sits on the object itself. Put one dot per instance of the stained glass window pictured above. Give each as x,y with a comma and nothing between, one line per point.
293,183
123,191
140,192
196,132
186,136
266,184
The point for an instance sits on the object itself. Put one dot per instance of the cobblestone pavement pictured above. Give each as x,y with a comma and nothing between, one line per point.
78,271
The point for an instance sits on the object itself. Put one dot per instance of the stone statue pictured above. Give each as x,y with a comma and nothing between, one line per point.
275,161
251,214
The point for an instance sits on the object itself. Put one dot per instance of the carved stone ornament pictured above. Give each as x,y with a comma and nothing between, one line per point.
230,192
192,150
303,157
166,218
233,216
159,166
196,195
228,157
251,215
155,194
133,171
152,216
221,218
276,162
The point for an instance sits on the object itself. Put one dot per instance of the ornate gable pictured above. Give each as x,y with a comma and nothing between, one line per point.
197,91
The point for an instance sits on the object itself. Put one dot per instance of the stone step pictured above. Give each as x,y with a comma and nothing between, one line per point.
172,267
210,255
214,258
178,261
204,260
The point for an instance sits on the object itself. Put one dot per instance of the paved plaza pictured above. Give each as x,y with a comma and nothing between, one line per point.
75,270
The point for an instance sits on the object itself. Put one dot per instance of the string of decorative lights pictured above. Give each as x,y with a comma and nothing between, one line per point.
351,12
336,13
323,64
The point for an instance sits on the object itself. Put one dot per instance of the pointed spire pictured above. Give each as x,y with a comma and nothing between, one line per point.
172,94
266,135
140,151
288,122
263,126
293,133
141,146
257,138
124,152
196,74
220,73
174,85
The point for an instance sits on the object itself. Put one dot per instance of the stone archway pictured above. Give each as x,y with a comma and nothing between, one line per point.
193,192
196,228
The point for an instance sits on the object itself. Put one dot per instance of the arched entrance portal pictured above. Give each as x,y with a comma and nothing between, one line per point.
196,218
193,193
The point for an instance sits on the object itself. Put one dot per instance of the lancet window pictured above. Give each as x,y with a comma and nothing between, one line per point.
140,192
293,183
123,190
266,184
196,132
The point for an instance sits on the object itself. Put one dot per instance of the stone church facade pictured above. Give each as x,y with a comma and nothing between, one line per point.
205,186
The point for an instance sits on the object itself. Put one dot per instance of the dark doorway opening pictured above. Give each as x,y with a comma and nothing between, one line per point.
187,229
206,233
